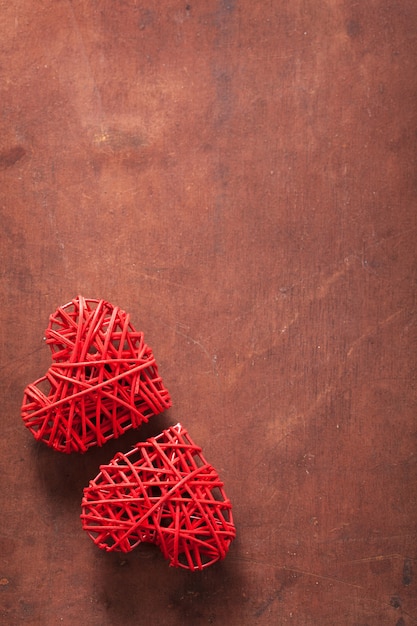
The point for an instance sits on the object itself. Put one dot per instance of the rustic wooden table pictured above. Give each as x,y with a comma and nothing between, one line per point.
241,178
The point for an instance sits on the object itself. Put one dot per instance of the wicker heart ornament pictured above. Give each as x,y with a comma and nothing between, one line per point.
102,382
164,492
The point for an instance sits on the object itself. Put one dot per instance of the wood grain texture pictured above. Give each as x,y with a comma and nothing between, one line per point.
241,178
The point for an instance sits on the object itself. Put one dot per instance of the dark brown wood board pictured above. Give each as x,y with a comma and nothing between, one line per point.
241,177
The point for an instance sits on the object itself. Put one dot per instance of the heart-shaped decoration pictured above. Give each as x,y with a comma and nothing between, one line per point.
102,382
163,492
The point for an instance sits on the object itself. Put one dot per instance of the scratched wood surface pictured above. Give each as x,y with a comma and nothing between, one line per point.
241,177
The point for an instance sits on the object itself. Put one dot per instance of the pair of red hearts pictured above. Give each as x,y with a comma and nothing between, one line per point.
102,382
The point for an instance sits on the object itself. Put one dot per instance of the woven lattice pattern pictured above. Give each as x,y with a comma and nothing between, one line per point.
164,492
102,382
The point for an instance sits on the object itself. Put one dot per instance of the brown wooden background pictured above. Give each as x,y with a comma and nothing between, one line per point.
241,177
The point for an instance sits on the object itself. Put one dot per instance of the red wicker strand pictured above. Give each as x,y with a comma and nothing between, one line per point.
163,492
102,382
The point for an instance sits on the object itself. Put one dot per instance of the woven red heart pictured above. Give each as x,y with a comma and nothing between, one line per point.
163,492
102,382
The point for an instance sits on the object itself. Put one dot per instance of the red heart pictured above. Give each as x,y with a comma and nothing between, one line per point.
163,492
103,381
